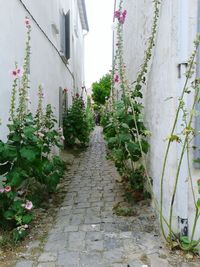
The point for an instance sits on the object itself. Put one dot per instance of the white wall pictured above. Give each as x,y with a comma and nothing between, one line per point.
163,82
46,65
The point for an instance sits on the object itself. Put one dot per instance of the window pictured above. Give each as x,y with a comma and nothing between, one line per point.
65,34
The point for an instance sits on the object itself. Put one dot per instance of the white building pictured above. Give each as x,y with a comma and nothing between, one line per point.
57,49
177,29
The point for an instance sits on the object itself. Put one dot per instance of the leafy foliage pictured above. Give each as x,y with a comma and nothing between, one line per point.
76,123
27,164
120,134
101,89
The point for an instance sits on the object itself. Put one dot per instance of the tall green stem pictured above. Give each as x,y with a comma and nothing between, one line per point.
169,142
180,163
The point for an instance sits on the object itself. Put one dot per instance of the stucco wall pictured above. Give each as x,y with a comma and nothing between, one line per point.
46,65
163,82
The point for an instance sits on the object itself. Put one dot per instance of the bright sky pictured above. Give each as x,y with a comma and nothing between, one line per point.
98,42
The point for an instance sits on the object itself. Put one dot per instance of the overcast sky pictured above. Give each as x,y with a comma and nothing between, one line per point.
98,42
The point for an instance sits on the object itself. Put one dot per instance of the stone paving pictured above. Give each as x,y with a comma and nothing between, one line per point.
87,233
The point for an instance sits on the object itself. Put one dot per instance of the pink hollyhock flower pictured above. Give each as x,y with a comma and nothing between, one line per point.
117,14
124,13
27,22
122,20
17,73
59,130
28,205
65,90
13,73
20,72
7,188
2,190
117,78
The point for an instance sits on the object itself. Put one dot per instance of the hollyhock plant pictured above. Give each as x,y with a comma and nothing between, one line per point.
2,190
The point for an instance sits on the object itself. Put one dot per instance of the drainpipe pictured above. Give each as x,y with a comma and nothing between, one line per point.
182,189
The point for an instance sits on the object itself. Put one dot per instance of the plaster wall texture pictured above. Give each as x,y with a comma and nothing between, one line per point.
46,65
173,46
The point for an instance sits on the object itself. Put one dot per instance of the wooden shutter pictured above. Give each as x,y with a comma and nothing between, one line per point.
67,35
62,33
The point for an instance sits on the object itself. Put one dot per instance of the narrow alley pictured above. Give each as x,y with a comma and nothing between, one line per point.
87,233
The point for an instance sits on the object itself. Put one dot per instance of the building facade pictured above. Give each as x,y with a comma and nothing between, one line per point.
57,50
177,29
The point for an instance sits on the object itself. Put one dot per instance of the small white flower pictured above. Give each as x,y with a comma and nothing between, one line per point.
28,205
40,134
62,138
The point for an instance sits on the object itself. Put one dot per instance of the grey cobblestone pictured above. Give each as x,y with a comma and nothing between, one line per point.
24,264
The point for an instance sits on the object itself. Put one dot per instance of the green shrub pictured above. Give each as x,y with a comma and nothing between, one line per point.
76,127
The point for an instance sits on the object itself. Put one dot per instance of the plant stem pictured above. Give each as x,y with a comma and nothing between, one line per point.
169,142
180,163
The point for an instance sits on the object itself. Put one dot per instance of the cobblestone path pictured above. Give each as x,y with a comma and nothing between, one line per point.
87,233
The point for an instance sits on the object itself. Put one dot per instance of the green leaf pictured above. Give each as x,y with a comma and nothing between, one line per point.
184,240
28,154
198,203
124,125
9,214
5,168
17,206
26,219
145,146
17,176
29,131
123,138
134,151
